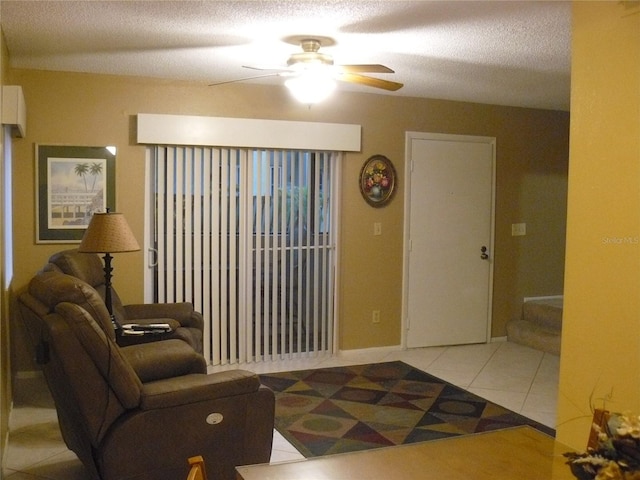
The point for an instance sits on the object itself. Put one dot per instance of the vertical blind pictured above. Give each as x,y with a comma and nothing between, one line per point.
248,236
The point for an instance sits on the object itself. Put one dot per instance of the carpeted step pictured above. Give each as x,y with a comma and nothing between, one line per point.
540,326
546,312
534,335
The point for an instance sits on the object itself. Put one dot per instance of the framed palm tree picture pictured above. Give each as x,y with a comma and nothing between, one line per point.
72,183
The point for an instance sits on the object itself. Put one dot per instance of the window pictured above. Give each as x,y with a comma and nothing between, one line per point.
247,236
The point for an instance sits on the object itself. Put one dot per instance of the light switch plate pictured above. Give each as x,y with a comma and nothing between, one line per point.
518,229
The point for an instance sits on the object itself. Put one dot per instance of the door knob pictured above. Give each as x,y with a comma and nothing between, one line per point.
483,254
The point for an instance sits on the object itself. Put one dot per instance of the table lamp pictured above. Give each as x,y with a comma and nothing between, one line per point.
108,233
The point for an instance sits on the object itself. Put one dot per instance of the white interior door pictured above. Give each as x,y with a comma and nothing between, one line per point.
449,221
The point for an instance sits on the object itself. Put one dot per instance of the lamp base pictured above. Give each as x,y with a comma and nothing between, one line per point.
116,326
107,293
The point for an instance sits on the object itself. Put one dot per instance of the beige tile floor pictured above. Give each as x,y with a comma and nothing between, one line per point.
517,377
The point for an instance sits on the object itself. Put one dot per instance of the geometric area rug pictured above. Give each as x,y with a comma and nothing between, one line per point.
344,409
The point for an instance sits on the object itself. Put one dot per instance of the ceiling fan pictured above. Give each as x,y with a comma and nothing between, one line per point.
315,73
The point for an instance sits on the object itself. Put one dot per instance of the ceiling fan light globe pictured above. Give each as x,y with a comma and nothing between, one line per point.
309,89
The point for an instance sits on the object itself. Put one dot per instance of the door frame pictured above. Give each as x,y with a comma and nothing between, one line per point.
409,138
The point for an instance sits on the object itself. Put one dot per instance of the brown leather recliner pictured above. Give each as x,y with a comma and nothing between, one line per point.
137,412
187,324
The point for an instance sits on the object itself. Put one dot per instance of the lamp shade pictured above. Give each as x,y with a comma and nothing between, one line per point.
108,233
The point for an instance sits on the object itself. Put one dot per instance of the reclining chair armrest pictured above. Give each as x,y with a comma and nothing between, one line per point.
154,443
173,324
166,359
182,312
196,388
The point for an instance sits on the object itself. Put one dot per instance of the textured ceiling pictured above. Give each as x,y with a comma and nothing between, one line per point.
497,52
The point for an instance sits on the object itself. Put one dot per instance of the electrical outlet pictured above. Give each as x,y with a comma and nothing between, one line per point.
375,316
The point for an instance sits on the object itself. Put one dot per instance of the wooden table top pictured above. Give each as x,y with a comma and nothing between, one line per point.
520,453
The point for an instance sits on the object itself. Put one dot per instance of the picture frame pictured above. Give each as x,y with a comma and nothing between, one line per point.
72,182
378,180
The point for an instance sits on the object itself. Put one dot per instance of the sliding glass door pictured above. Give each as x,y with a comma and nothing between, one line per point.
247,236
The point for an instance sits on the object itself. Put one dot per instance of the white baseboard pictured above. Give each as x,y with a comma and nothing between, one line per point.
28,374
365,351
392,348
548,297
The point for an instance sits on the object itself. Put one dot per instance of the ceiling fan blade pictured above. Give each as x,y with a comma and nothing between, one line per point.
266,67
365,68
278,74
370,81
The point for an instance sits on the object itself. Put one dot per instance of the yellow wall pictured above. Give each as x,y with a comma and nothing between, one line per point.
5,384
532,146
601,325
